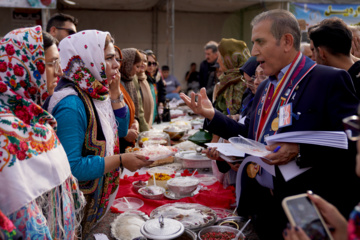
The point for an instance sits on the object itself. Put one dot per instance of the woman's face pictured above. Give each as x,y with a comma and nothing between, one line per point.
151,67
259,76
220,61
112,66
135,69
118,57
143,63
53,69
249,82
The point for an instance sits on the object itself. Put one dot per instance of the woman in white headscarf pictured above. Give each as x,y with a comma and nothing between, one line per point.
86,103
37,192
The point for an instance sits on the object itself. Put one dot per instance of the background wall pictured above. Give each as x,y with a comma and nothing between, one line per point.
135,29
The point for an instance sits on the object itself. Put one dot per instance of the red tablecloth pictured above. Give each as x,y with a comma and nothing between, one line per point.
217,196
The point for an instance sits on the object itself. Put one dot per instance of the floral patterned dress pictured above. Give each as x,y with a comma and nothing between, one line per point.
37,192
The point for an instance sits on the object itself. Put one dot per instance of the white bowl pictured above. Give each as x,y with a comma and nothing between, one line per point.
152,192
132,203
182,186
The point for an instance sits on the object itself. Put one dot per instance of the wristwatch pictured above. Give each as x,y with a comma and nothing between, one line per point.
120,99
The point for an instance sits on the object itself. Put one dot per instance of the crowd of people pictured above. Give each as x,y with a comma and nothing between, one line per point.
71,102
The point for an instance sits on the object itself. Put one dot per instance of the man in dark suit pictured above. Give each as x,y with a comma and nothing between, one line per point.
318,97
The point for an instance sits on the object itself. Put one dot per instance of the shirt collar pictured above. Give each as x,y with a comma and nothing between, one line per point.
275,80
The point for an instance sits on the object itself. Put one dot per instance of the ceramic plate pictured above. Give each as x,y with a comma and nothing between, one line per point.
192,215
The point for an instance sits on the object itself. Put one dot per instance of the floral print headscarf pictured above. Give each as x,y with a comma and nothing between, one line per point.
232,85
83,62
32,161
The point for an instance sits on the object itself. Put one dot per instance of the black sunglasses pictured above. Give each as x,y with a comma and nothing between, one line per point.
70,31
152,63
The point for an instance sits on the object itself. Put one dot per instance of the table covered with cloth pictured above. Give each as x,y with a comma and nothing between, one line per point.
215,197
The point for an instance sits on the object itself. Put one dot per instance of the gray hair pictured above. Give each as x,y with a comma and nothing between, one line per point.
283,22
212,45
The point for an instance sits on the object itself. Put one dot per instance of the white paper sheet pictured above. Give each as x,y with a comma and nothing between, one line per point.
336,139
227,149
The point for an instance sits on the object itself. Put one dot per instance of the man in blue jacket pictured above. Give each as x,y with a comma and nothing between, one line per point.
317,98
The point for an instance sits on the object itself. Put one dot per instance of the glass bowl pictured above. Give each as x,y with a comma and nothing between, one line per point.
138,184
152,192
182,186
206,179
220,232
132,203
153,138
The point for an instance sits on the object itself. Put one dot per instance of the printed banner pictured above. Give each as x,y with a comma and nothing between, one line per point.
310,14
51,4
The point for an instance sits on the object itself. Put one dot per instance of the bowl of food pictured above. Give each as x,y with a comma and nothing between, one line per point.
175,133
219,233
138,184
160,179
152,192
182,186
153,138
129,203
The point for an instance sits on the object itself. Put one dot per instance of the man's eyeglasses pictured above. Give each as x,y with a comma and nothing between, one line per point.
152,63
69,30
56,64
352,127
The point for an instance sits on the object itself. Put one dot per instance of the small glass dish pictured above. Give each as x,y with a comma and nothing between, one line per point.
249,146
138,184
132,203
152,192
206,179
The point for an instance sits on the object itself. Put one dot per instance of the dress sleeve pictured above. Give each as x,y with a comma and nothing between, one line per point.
122,116
72,123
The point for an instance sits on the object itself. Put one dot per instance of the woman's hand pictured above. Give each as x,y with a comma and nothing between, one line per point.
133,161
114,87
294,233
135,125
132,135
331,216
203,106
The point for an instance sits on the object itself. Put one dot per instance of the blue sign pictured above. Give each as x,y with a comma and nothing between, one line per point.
315,13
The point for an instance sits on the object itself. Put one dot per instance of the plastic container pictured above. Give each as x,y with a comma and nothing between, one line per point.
153,138
175,133
249,146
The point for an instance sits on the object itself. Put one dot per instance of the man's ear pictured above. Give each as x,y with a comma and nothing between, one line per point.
53,31
322,53
288,41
